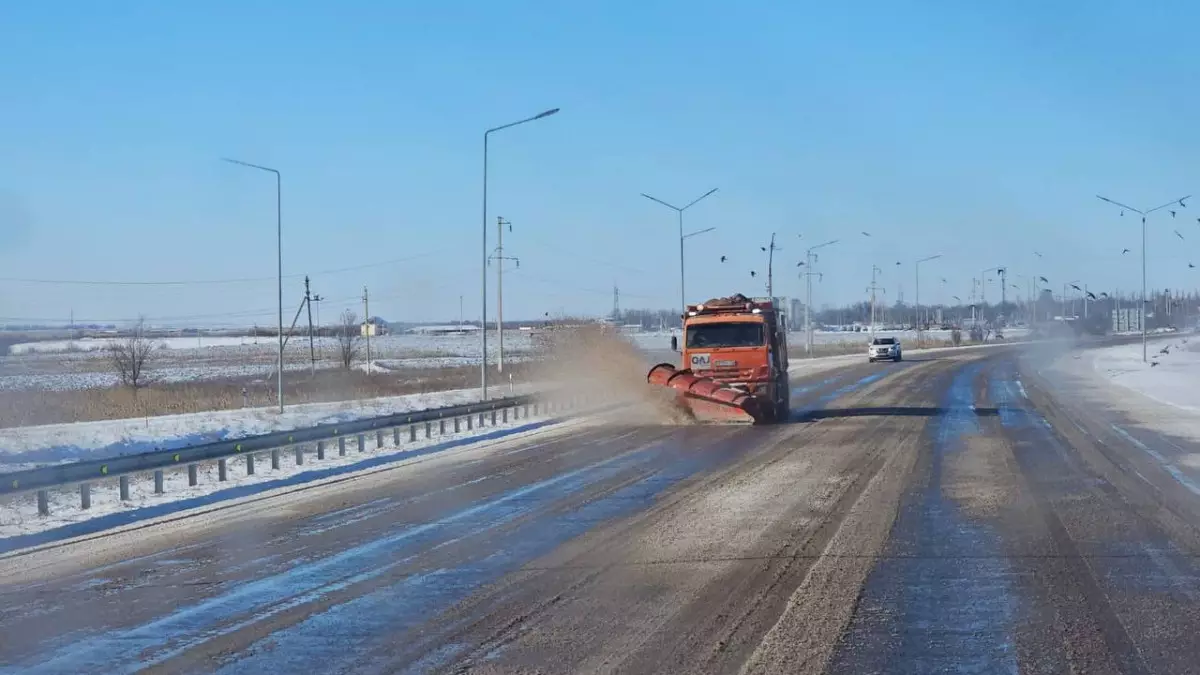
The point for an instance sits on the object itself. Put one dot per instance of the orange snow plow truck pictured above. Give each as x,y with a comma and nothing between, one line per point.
735,362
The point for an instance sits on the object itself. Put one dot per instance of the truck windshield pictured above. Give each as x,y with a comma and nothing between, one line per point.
742,334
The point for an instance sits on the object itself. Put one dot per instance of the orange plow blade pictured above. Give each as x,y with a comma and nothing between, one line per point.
707,399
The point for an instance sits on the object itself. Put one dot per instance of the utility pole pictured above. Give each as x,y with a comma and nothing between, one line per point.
460,313
616,311
500,258
873,288
770,269
312,346
810,257
1003,287
367,327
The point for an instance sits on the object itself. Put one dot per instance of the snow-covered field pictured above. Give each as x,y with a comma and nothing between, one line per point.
60,365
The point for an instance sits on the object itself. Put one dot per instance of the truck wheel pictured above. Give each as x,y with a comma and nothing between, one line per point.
899,358
782,411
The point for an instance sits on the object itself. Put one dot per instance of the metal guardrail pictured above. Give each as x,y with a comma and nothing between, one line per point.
322,437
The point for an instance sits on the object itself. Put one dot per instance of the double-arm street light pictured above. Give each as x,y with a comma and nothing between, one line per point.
679,210
809,259
483,295
917,301
1143,214
278,261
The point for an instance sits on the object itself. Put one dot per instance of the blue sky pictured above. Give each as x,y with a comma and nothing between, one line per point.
981,131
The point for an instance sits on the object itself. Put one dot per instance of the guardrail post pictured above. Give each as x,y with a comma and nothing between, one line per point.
158,482
362,443
43,503
535,408
470,422
222,469
456,425
320,449
525,412
442,427
275,459
412,433
299,455
250,465
428,429
504,415
493,417
123,482
85,495
379,439
193,478
396,436
341,446
481,420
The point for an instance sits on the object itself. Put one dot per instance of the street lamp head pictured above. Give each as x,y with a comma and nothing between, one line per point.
546,114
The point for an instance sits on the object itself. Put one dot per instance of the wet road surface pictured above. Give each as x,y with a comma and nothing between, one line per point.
951,513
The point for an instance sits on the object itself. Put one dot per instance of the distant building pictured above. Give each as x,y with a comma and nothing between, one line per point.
374,327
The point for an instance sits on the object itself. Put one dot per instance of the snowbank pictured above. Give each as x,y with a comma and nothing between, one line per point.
1170,377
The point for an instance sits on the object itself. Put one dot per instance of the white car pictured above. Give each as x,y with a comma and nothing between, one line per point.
884,348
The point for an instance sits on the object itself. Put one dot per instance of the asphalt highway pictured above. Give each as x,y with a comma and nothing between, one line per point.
956,512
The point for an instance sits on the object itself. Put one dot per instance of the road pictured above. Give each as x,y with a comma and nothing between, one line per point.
952,513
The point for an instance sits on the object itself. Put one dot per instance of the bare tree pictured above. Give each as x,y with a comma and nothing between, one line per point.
131,356
349,337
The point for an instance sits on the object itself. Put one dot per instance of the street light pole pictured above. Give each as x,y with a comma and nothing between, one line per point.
278,261
917,300
809,259
679,210
483,386
1143,214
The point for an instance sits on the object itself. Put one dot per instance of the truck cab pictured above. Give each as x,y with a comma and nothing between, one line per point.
741,343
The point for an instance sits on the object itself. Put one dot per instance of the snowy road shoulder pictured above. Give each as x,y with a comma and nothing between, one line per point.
22,527
1162,397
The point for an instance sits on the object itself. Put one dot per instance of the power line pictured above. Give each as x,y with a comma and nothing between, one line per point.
199,282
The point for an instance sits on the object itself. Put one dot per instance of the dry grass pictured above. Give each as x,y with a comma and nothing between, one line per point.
25,408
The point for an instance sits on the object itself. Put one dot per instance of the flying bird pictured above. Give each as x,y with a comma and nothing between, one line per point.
1076,287
1044,280
1091,295
1178,235
1124,251
1191,266
1172,214
753,273
1104,295
866,234
1037,254
723,258
897,262
800,264
764,248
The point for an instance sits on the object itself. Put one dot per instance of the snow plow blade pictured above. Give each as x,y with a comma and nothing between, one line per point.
707,399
